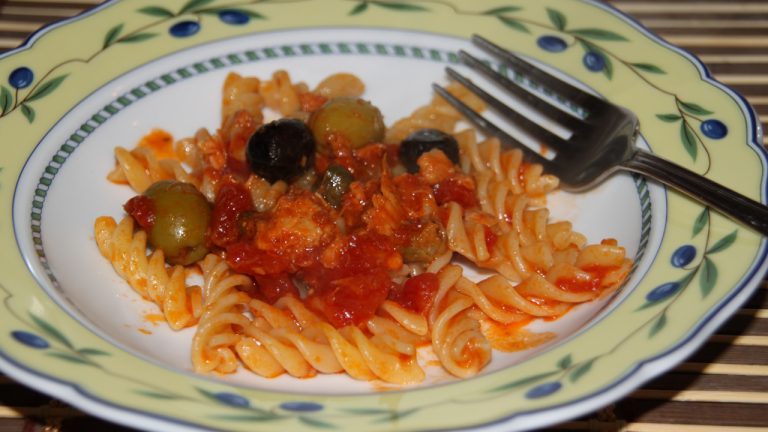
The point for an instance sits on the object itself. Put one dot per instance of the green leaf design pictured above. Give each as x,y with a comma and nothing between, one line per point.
525,381
193,4
669,118
565,362
694,108
92,352
688,138
701,222
157,395
139,37
580,371
360,8
252,14
6,100
707,277
647,67
395,415
514,24
51,331
68,357
400,6
502,10
366,411
112,35
723,243
156,11
597,34
46,88
608,68
309,421
658,325
28,112
557,18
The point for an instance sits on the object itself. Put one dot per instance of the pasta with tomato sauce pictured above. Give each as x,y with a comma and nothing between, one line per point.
325,241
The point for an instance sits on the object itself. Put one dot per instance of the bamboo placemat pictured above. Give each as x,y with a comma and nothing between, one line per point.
723,387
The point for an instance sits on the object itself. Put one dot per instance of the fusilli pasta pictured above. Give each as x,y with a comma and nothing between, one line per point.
303,276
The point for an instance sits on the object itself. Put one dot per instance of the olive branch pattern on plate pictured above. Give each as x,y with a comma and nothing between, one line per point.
696,260
187,21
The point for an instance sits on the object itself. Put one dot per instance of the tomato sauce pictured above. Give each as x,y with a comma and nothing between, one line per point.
455,189
160,142
231,202
142,209
417,293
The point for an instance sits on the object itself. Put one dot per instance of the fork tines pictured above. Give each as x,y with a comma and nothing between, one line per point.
540,76
537,77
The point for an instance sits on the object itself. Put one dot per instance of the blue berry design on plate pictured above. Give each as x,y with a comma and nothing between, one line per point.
22,88
701,266
551,43
714,129
543,390
600,47
53,343
184,29
22,81
688,113
683,255
232,399
30,339
299,406
234,16
663,292
21,78
594,61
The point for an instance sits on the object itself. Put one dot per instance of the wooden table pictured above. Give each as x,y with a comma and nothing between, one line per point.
723,387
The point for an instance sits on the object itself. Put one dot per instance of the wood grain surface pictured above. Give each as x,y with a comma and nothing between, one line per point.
722,387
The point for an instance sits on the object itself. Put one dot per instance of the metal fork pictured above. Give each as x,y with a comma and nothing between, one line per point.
600,144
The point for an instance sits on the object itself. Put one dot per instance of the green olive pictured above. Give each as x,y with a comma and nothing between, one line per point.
182,215
349,118
335,184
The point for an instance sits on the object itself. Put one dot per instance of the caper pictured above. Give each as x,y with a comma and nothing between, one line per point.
424,140
181,218
347,118
335,184
281,150
427,240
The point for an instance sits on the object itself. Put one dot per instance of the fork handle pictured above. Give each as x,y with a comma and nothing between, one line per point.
725,200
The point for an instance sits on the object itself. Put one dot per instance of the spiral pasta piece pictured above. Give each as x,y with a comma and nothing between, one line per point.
457,338
288,338
126,249
217,331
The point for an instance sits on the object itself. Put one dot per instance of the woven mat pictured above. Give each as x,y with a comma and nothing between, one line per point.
723,387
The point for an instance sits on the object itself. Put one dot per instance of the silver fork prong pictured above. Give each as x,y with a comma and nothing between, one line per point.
490,128
544,136
542,105
542,77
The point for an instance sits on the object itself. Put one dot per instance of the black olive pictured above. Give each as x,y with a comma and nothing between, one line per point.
424,140
281,150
